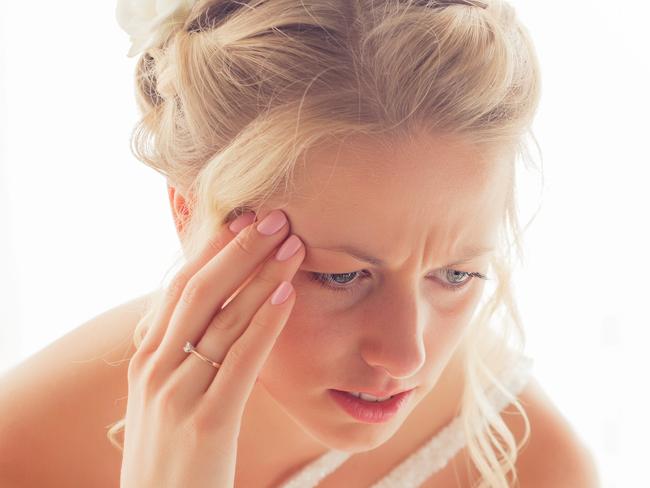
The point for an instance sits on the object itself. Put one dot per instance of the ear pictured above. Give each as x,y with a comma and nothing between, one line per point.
181,209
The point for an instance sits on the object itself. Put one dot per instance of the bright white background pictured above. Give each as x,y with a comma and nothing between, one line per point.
84,226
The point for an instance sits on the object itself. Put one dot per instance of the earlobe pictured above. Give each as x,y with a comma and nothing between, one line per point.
180,208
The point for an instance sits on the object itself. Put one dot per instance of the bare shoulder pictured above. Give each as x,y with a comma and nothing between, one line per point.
56,406
554,455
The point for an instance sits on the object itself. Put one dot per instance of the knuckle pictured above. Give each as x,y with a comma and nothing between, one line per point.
139,365
136,365
216,243
261,321
143,373
146,347
245,243
221,322
177,285
167,398
193,291
234,360
133,372
207,420
204,420
268,278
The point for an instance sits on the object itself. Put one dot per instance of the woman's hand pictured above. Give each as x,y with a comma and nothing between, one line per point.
183,415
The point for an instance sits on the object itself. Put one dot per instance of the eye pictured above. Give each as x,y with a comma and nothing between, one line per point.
455,280
339,281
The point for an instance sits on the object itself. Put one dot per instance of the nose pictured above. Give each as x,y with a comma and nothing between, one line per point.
394,336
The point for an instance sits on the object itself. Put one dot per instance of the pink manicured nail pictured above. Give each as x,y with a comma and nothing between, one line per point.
288,248
272,223
281,293
242,221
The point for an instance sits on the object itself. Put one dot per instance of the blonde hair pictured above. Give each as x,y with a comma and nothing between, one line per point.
236,94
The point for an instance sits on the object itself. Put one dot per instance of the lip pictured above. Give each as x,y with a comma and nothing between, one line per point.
370,412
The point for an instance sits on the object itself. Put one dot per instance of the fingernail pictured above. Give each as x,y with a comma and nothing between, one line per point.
272,223
242,221
289,248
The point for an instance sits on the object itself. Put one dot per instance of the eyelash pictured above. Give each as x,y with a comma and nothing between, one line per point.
324,279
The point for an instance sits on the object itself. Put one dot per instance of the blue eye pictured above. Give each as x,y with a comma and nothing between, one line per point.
456,278
341,282
331,280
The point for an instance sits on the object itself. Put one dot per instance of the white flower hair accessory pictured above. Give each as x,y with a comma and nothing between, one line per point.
149,22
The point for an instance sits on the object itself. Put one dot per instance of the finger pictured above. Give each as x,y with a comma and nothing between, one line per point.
193,377
208,289
245,359
172,293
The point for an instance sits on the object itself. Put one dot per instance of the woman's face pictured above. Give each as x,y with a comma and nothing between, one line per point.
417,205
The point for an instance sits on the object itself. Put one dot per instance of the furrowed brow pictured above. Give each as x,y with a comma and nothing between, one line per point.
467,255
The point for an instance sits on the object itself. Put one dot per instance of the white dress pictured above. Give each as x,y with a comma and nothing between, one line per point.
425,461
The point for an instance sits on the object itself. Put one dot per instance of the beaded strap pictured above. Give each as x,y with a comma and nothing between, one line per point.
313,473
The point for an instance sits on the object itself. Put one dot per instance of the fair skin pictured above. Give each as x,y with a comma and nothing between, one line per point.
415,205
410,204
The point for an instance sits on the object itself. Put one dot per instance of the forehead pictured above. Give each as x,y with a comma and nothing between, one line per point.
422,187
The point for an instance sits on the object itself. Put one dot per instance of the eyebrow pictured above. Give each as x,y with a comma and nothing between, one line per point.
468,254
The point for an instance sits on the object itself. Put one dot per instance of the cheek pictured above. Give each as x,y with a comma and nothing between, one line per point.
442,332
455,303
455,320
307,352
449,320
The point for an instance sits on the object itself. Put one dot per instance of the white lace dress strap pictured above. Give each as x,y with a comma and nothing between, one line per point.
313,473
428,459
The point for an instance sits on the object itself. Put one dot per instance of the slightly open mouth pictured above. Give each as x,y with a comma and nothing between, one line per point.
369,400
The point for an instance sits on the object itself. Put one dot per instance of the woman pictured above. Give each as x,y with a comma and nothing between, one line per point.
341,175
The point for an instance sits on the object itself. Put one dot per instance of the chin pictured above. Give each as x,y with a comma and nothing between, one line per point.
357,438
